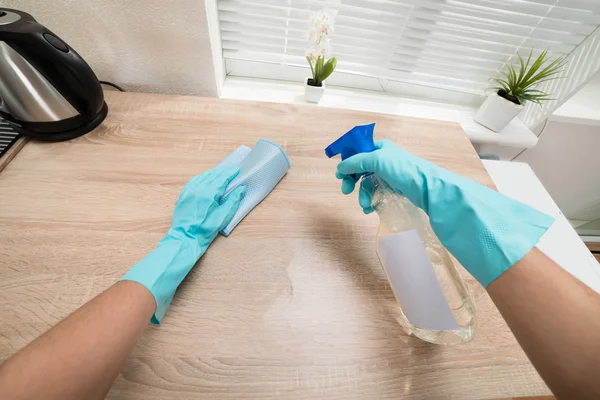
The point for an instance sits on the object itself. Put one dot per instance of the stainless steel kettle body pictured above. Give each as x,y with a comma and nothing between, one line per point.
47,91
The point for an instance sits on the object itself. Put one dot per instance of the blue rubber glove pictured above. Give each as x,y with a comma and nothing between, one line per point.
486,231
197,219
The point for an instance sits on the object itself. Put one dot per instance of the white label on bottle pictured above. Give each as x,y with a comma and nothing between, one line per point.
414,281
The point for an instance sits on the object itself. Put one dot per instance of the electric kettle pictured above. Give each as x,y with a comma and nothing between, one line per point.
47,91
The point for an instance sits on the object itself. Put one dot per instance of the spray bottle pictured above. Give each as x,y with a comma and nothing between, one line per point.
435,304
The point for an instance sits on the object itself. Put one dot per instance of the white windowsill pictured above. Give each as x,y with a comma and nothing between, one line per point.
516,134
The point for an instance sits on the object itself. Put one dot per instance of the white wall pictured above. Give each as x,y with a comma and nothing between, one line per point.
145,45
567,162
584,105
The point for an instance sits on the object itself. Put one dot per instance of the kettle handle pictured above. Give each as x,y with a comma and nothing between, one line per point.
59,64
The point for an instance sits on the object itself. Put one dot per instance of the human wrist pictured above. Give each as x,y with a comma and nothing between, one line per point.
164,268
486,231
198,242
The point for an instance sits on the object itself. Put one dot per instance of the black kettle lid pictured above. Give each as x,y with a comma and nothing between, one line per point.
11,20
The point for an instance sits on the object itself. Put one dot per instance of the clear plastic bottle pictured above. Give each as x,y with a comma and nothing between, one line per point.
414,259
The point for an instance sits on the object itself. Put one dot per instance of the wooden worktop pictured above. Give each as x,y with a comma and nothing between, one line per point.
294,304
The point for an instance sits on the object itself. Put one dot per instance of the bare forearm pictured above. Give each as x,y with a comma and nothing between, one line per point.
555,319
80,357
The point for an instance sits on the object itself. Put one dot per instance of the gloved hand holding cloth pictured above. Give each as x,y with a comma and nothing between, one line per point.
197,219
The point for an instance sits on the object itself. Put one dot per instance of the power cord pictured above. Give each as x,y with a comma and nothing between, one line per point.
540,134
107,83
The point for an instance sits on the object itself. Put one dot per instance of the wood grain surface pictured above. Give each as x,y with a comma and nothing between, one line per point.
534,398
593,246
294,304
7,157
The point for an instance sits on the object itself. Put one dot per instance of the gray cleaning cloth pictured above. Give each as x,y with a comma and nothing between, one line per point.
261,169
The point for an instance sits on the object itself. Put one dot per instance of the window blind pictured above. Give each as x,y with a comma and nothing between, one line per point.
453,44
582,64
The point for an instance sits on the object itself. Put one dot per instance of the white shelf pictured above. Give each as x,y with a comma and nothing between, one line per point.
516,134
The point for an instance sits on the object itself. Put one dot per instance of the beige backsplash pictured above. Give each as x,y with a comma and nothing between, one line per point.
144,45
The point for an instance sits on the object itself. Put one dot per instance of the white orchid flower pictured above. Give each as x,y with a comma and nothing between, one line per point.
320,28
312,54
313,35
324,49
326,31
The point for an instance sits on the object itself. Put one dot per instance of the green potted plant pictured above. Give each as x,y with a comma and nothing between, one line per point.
515,88
319,31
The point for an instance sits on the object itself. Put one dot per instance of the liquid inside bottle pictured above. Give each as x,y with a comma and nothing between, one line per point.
436,305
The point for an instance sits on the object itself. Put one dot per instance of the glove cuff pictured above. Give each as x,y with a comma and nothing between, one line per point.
163,270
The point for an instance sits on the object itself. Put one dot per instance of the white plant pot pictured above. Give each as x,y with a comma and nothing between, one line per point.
313,94
496,112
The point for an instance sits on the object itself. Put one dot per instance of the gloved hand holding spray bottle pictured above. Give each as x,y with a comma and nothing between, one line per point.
486,231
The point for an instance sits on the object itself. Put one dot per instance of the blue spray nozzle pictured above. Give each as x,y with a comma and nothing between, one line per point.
357,140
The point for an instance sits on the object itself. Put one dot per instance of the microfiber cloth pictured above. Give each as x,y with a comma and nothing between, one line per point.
261,169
